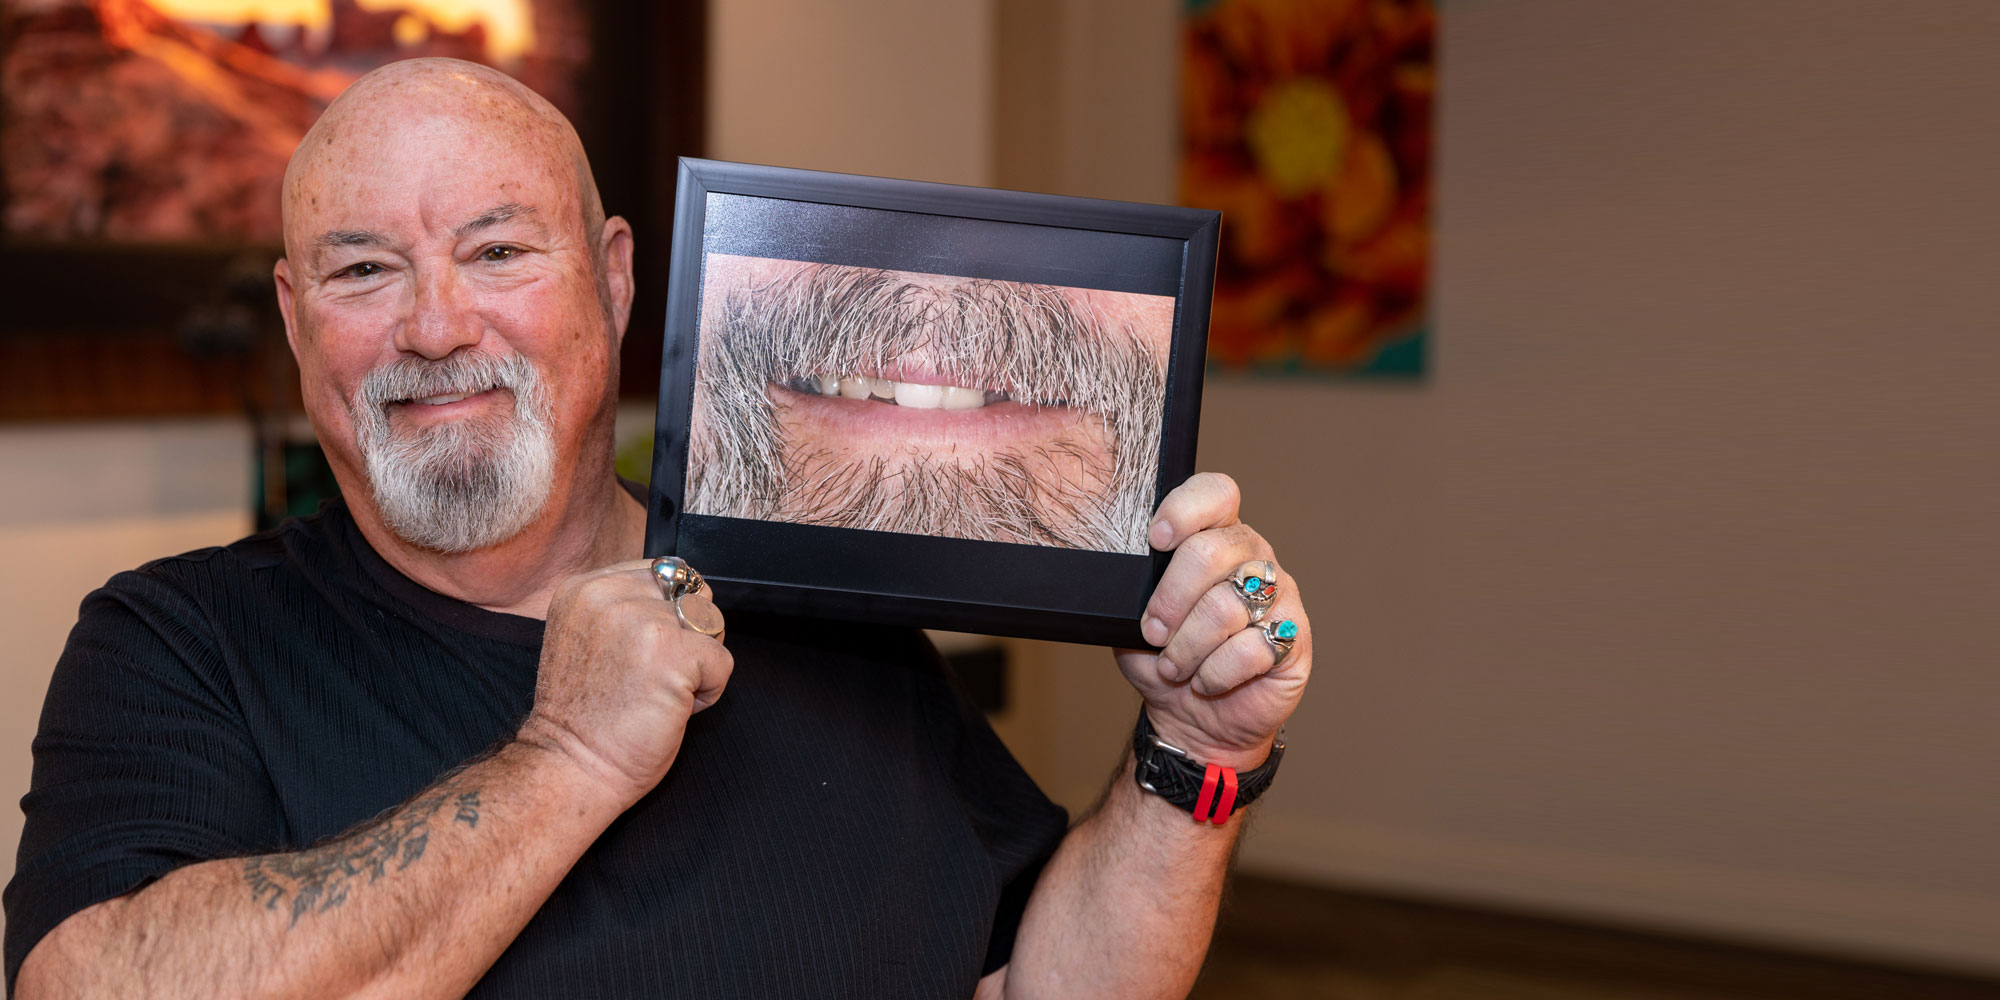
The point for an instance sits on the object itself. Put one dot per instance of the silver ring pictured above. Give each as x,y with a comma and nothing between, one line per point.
1280,635
682,615
1256,582
676,578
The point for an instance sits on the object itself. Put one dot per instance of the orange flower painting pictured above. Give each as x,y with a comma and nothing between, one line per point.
1307,123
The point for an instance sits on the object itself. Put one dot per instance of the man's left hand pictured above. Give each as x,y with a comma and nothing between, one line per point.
1216,689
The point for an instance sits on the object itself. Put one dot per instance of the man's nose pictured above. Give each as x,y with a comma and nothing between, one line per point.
445,318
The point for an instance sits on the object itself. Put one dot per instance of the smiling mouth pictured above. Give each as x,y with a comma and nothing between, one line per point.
447,397
445,404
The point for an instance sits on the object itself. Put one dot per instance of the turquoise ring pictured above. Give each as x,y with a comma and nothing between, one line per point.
1280,635
1256,582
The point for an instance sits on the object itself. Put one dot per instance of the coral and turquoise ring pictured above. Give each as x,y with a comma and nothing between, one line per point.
1280,635
1257,583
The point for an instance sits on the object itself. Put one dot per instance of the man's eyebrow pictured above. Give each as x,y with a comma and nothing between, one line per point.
350,238
334,239
492,217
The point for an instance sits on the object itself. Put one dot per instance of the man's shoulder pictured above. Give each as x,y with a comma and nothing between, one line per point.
201,607
293,545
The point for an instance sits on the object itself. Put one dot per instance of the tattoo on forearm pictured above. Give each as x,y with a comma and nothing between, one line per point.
468,808
318,879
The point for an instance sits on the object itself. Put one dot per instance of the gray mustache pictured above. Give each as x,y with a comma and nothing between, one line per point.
461,372
1030,341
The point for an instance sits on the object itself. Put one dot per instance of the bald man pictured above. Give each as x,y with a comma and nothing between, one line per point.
445,737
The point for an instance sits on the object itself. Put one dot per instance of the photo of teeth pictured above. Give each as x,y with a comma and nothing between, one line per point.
927,404
911,394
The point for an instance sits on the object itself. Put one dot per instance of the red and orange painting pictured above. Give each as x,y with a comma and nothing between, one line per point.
170,121
1308,124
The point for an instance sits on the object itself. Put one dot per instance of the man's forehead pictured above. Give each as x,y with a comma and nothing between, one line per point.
436,171
432,142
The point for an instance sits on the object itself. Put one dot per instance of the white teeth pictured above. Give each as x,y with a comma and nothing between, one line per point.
441,400
919,397
961,398
915,395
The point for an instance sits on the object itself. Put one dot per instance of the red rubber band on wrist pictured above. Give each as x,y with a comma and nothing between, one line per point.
1228,801
1208,780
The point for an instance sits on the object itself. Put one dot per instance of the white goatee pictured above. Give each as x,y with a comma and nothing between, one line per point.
467,484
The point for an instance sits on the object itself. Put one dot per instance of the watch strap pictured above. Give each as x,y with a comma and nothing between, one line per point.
1210,792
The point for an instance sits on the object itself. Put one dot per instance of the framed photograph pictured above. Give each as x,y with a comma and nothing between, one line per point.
926,404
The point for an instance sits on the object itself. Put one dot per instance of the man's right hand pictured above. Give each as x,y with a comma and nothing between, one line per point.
620,676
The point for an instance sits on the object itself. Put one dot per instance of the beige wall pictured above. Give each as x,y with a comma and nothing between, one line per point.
1670,600
79,503
898,87
1664,599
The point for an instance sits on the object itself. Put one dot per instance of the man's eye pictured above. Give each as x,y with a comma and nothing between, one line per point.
365,269
498,253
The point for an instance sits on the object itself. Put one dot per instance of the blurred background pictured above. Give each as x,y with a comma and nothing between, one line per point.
1603,372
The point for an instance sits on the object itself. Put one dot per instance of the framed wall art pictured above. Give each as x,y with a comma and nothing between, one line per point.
1309,126
143,144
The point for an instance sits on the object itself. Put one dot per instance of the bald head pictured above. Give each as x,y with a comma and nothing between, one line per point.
438,110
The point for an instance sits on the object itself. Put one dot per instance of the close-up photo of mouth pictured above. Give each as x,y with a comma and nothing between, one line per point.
954,407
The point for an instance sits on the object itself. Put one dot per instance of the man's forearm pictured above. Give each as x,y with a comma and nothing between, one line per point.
1126,906
417,902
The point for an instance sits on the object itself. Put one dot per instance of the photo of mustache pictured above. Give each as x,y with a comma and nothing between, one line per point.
1029,344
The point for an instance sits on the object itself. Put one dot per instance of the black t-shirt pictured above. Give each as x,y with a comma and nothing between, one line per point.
840,823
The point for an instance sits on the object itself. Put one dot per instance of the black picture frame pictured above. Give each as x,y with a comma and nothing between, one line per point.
997,588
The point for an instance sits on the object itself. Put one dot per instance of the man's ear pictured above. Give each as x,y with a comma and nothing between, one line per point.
614,249
282,274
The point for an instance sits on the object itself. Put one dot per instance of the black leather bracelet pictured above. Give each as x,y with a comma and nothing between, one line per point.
1208,791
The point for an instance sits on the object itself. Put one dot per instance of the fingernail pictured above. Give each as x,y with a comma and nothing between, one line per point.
1161,533
1154,630
1168,672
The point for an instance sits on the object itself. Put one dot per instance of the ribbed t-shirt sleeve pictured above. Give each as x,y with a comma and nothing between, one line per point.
142,761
